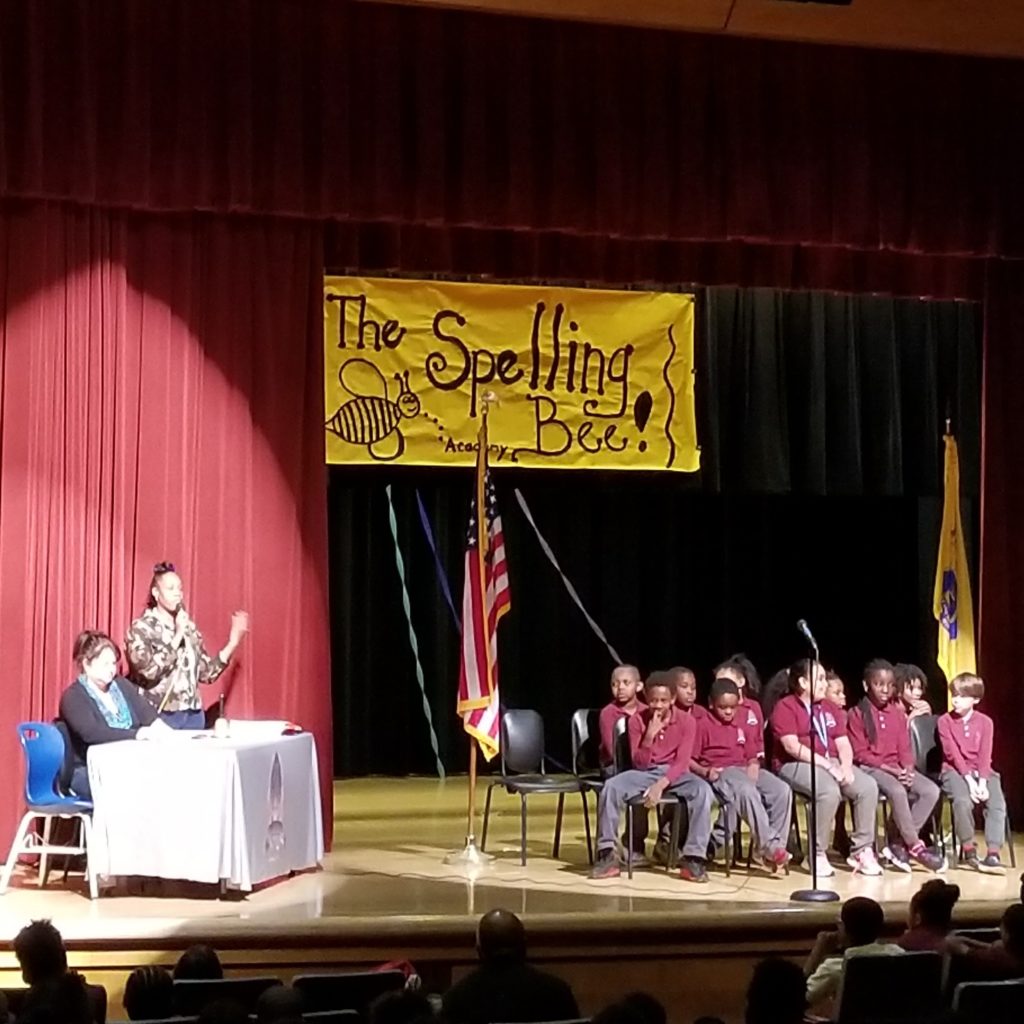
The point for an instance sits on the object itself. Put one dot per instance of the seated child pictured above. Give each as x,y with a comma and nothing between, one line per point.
776,796
685,683
727,754
911,684
860,926
965,735
834,689
661,743
931,917
808,728
625,703
881,747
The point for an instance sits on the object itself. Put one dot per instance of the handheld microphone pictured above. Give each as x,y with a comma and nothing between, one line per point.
801,624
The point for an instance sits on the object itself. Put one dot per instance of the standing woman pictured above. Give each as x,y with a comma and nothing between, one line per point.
166,653
99,707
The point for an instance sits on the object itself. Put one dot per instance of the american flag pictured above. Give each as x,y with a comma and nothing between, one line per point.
485,599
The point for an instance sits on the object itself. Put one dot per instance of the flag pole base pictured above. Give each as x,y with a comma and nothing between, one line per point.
470,856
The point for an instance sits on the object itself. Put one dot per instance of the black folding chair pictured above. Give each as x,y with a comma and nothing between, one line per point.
345,990
985,1002
897,989
191,996
586,756
524,773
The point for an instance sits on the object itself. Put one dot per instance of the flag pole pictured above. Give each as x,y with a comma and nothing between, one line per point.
471,856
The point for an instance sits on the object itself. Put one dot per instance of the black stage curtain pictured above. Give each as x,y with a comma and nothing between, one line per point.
820,497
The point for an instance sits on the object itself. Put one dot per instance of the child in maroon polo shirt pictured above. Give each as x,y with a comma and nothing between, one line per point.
877,728
967,776
625,703
726,754
661,743
775,794
808,729
685,682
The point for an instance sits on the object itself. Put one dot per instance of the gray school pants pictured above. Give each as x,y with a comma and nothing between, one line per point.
627,785
911,808
862,794
954,785
764,805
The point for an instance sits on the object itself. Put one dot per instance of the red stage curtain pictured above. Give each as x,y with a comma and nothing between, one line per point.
332,109
1001,617
161,396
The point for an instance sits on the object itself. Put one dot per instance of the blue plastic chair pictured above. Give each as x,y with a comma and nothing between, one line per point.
43,747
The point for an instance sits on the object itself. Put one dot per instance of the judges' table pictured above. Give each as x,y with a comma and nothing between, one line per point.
236,811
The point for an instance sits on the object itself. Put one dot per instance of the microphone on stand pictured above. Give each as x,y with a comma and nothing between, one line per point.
814,894
801,624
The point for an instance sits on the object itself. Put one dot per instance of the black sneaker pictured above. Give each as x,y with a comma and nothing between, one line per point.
992,865
930,859
969,859
607,866
693,870
896,855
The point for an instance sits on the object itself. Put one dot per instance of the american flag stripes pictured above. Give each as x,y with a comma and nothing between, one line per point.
485,599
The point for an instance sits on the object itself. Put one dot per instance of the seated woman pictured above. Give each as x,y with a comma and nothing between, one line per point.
100,708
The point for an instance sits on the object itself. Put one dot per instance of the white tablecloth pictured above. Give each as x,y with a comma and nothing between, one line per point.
239,811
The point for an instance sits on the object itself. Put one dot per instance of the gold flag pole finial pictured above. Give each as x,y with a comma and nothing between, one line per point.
949,423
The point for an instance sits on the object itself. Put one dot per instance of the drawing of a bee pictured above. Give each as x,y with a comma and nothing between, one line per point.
369,417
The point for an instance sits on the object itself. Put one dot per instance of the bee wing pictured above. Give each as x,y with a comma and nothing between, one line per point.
359,377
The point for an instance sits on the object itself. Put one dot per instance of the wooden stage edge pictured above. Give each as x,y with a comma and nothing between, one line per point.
385,893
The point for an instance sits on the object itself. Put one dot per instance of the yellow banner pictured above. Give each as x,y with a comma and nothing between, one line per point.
581,378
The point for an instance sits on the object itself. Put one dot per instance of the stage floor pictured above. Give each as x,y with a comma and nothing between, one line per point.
386,876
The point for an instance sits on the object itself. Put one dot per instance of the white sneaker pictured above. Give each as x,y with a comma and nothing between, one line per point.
825,869
865,862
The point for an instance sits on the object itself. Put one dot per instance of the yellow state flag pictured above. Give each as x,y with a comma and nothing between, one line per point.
952,606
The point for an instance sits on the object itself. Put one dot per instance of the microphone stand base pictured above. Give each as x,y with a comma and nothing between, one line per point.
814,896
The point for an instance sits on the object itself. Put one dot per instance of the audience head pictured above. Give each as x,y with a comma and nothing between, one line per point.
835,691
625,683
40,952
724,699
646,1007
777,993
620,1013
965,690
909,683
1012,929
500,936
199,963
96,655
278,1003
932,905
223,1011
149,993
740,669
861,921
684,683
800,679
402,1007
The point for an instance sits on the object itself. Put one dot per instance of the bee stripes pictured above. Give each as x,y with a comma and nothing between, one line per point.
365,420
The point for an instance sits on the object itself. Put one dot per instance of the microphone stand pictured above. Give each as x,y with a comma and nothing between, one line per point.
814,894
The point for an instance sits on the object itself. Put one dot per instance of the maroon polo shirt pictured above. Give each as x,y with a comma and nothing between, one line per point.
722,745
891,745
790,718
672,746
966,743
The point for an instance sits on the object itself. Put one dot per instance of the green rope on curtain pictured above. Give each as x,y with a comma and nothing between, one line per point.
400,564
